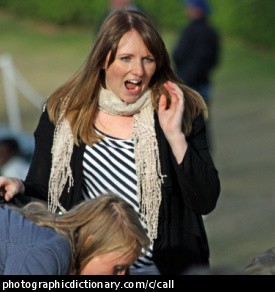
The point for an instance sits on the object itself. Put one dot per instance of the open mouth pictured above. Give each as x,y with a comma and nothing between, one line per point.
133,85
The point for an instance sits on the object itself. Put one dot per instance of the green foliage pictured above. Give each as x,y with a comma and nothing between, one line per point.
166,14
59,11
251,20
3,2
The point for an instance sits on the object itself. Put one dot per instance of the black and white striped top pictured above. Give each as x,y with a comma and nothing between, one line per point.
110,166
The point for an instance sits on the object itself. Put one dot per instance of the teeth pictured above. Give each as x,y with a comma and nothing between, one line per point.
134,81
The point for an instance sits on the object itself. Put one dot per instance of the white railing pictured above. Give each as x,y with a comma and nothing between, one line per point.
14,82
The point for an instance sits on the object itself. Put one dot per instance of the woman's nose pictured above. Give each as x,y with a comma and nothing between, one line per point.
138,69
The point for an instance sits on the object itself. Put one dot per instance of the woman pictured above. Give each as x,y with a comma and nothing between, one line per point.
125,123
98,237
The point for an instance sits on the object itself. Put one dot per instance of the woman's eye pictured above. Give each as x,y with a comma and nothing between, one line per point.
149,59
125,59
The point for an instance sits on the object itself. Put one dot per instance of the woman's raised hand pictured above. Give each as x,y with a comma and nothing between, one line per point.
12,186
171,118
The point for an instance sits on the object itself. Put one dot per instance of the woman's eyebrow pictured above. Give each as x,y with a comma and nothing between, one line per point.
132,55
125,54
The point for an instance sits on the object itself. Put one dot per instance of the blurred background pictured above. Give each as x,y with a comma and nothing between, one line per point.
42,43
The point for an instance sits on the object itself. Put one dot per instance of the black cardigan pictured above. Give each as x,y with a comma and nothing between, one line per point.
190,189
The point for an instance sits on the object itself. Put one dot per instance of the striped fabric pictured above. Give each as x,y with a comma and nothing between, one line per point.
110,166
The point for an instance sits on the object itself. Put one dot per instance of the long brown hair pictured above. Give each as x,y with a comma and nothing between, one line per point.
78,97
104,224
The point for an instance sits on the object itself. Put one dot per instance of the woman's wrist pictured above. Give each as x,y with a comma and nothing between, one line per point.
174,136
178,145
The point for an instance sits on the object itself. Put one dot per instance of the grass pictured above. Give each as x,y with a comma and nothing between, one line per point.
242,122
45,55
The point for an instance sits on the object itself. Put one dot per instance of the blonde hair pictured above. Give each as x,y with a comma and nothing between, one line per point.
78,97
101,225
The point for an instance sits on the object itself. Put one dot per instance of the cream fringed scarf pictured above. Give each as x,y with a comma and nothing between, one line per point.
62,150
149,177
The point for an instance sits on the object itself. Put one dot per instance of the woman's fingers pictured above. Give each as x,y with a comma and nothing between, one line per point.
10,193
173,89
4,183
171,118
162,103
175,93
11,187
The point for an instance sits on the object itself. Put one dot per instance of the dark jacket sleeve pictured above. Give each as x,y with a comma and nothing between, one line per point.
197,175
36,183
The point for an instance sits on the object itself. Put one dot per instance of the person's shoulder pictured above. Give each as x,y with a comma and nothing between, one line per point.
199,120
45,114
48,237
45,259
198,125
53,256
211,28
189,28
58,254
45,126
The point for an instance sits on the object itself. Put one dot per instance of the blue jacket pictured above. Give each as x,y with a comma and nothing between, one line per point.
29,249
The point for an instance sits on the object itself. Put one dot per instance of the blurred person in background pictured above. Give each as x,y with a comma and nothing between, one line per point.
12,162
122,4
99,237
125,123
117,5
197,51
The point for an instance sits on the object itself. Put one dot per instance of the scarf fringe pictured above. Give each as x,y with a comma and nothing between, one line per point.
149,177
61,173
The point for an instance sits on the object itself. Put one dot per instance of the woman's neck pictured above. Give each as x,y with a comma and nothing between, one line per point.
116,126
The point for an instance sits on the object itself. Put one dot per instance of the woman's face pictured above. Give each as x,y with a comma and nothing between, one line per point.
129,75
110,263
